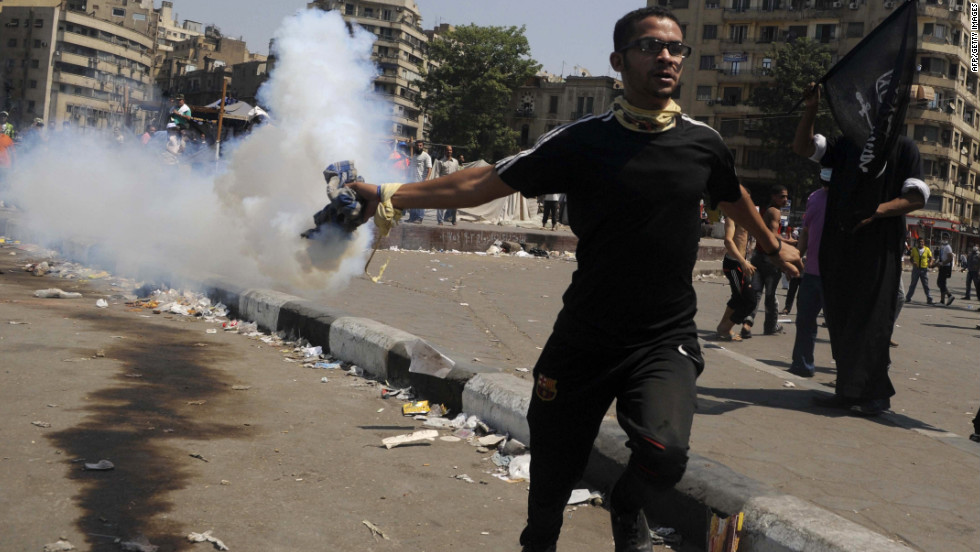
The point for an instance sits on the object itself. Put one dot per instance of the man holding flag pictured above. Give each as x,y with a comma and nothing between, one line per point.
876,179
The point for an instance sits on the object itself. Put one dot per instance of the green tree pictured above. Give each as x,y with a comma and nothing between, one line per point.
795,65
468,88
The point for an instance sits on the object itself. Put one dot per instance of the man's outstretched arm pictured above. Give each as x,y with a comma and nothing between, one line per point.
463,188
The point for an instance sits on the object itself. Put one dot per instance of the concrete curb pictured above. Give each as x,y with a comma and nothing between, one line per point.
773,522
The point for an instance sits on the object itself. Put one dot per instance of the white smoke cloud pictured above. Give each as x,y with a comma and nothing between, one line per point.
244,223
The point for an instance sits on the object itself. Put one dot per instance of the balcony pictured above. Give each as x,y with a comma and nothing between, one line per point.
931,114
756,14
936,44
939,12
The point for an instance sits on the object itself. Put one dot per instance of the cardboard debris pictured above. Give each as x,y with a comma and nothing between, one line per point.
375,530
422,435
425,359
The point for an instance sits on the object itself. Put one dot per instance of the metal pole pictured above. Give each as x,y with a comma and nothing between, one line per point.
221,114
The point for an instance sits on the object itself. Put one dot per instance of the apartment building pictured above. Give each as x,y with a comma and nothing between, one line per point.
400,53
169,33
733,43
547,101
68,61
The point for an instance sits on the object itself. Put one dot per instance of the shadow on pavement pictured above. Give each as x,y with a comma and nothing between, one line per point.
164,387
799,400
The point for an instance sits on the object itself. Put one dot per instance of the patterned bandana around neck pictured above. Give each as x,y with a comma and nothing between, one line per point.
644,120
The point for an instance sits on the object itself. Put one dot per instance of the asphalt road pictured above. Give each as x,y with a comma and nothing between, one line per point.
216,431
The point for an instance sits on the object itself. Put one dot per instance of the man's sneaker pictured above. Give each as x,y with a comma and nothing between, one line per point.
745,333
950,301
777,330
631,532
975,437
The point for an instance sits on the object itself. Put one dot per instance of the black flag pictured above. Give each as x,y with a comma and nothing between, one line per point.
868,89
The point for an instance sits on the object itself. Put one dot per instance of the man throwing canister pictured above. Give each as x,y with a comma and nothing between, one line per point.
626,331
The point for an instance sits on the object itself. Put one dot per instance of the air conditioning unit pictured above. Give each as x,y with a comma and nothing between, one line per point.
853,5
836,4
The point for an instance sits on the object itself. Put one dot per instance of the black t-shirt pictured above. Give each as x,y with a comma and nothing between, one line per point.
634,203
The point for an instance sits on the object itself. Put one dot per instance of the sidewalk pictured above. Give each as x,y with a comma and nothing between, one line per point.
919,483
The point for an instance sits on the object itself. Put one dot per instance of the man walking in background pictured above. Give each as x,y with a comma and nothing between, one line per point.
944,262
767,274
921,258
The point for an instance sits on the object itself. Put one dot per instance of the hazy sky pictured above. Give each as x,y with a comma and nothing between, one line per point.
561,32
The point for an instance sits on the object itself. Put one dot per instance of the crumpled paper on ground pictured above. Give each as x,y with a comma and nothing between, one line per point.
206,536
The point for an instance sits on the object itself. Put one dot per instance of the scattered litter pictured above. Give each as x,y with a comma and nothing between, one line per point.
101,465
523,369
464,477
16,323
41,424
323,379
195,403
585,496
241,387
450,439
422,435
101,303
198,456
500,460
783,320
437,422
419,407
355,371
490,440
326,365
405,394
520,468
513,447
206,536
425,359
464,433
375,530
230,326
789,384
311,352
212,331
60,546
55,293
724,533
139,544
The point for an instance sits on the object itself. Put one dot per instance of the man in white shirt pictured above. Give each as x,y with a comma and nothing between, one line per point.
420,169
446,165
